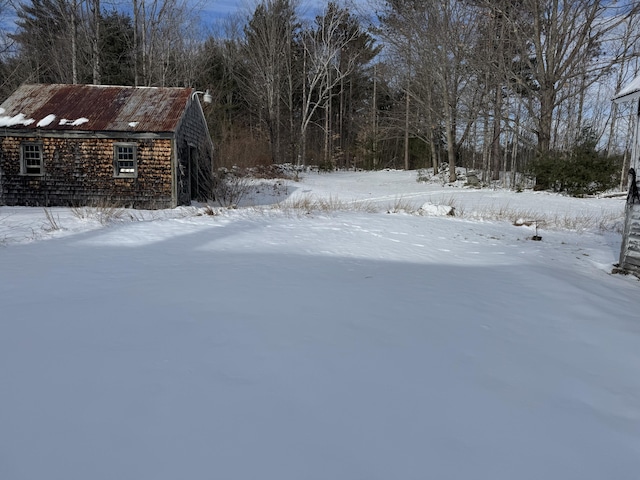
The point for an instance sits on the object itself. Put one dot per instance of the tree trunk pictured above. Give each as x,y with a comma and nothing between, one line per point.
495,140
374,117
95,42
406,132
434,153
74,42
547,104
136,46
451,141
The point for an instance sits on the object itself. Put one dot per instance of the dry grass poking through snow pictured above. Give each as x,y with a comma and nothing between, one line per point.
105,214
309,204
606,221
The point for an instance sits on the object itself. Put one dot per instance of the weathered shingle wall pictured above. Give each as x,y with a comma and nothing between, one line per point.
81,172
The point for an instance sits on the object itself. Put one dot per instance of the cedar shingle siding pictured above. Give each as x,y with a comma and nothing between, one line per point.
166,128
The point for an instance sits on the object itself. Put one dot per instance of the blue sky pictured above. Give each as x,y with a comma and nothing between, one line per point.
220,9
223,8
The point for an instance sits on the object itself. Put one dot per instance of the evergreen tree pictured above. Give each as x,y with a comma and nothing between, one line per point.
43,40
116,49
267,54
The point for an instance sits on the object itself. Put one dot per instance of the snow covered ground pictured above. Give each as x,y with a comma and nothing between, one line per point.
360,339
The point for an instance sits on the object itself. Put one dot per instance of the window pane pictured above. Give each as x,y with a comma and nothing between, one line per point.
125,160
32,158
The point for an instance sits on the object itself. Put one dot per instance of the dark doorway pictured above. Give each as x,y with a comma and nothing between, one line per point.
194,172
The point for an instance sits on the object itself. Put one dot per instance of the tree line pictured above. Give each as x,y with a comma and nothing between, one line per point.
502,86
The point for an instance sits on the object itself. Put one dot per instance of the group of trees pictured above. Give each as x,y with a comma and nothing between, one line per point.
495,85
291,90
79,41
506,81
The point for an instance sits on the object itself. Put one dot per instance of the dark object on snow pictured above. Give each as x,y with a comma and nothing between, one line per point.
633,194
536,237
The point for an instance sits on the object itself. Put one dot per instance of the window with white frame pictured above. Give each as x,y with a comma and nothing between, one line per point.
124,160
31,159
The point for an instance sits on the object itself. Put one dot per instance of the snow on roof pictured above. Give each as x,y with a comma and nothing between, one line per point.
46,121
95,108
630,92
12,120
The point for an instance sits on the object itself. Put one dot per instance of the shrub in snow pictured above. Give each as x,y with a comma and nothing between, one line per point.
229,187
423,175
581,171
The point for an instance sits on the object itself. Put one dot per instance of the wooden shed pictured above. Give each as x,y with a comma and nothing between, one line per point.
141,147
630,248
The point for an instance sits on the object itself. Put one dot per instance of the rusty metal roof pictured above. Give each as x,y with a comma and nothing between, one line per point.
95,108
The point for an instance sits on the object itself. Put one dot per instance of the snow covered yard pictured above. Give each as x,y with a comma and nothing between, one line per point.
344,343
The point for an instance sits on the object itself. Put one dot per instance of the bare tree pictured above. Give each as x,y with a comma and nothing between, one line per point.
436,39
90,23
625,49
158,25
495,50
324,65
564,42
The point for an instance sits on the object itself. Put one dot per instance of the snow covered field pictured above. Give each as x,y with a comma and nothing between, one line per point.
362,340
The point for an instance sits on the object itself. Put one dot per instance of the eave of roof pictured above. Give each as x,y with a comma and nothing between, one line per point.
629,92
